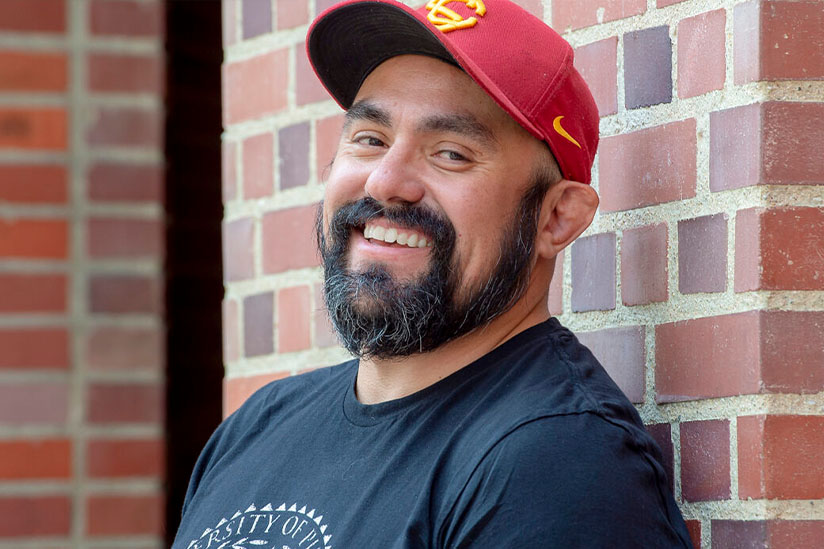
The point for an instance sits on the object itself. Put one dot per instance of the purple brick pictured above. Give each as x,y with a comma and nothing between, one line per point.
702,254
647,67
621,352
258,324
33,403
644,265
593,273
705,460
293,147
257,18
738,534
662,434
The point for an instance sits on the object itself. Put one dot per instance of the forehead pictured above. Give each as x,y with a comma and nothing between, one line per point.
426,86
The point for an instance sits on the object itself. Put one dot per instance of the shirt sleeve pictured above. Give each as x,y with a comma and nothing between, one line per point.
566,481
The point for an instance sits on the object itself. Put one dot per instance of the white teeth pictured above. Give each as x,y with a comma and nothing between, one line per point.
392,235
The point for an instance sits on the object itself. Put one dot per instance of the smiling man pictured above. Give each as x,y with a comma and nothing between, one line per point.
469,417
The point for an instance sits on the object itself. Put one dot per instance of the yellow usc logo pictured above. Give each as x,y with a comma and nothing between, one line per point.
447,20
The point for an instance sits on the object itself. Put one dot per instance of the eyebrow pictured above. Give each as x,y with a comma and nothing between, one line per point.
366,110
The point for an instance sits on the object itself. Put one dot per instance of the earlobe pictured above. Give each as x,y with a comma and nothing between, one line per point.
567,211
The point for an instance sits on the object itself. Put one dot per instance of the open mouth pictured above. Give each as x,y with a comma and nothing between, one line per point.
396,235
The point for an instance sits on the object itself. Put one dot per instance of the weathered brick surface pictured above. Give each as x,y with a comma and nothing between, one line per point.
114,182
29,71
113,349
254,87
308,88
593,273
637,169
662,433
644,265
33,239
137,18
124,458
258,324
597,63
35,459
258,166
257,17
29,293
37,348
327,135
125,403
293,319
705,460
120,515
701,53
647,67
238,249
23,516
31,129
47,16
288,239
574,14
621,351
237,390
125,73
292,14
33,403
32,184
702,254
733,534
293,155
124,238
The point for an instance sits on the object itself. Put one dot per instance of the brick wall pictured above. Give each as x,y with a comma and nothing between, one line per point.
700,284
81,246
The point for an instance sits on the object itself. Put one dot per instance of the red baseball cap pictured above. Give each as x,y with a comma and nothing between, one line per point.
524,65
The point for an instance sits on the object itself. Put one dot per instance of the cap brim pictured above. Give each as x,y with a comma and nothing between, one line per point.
359,36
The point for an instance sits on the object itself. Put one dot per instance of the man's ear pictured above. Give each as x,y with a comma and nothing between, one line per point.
567,210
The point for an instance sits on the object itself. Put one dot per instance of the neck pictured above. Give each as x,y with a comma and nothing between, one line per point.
380,380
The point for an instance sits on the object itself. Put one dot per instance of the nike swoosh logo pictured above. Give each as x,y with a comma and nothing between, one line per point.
562,132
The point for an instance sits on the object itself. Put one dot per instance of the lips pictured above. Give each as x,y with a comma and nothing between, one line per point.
396,235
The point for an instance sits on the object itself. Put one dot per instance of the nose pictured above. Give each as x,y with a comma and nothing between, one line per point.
394,179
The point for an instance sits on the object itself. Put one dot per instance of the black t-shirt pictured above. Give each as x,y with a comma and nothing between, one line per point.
532,445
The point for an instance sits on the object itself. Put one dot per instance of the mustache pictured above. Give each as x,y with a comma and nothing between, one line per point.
355,215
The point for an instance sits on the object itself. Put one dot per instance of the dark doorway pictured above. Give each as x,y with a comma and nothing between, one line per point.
194,209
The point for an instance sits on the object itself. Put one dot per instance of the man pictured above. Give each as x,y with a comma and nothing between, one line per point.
470,417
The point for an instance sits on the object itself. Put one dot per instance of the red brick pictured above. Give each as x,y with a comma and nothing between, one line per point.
555,301
258,166
124,515
34,239
23,516
258,324
255,87
231,330
327,137
662,434
324,334
34,348
766,144
773,249
702,63
622,353
125,458
644,265
792,351
126,127
308,88
665,3
126,17
35,459
323,5
726,362
535,7
795,533
694,530
30,71
735,534
110,182
647,67
257,17
125,73
293,323
124,238
229,23
293,155
574,14
23,403
229,165
598,64
702,254
33,15
288,239
239,249
777,40
28,129
705,460
117,349
125,403
237,390
639,169
124,294
292,14
790,465
23,183
593,273
30,293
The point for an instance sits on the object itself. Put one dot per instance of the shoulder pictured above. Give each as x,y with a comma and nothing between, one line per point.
574,480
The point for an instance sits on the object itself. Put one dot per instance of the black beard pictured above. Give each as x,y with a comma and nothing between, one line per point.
376,316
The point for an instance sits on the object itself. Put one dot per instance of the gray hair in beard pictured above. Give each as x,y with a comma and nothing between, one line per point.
376,316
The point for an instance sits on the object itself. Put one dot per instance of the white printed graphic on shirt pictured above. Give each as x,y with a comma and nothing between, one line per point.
279,528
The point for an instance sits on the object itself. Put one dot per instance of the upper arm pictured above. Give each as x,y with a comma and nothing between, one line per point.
566,481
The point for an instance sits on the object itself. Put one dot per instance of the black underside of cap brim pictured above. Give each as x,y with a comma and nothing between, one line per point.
348,43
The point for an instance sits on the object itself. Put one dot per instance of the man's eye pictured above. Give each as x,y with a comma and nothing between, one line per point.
370,141
452,156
